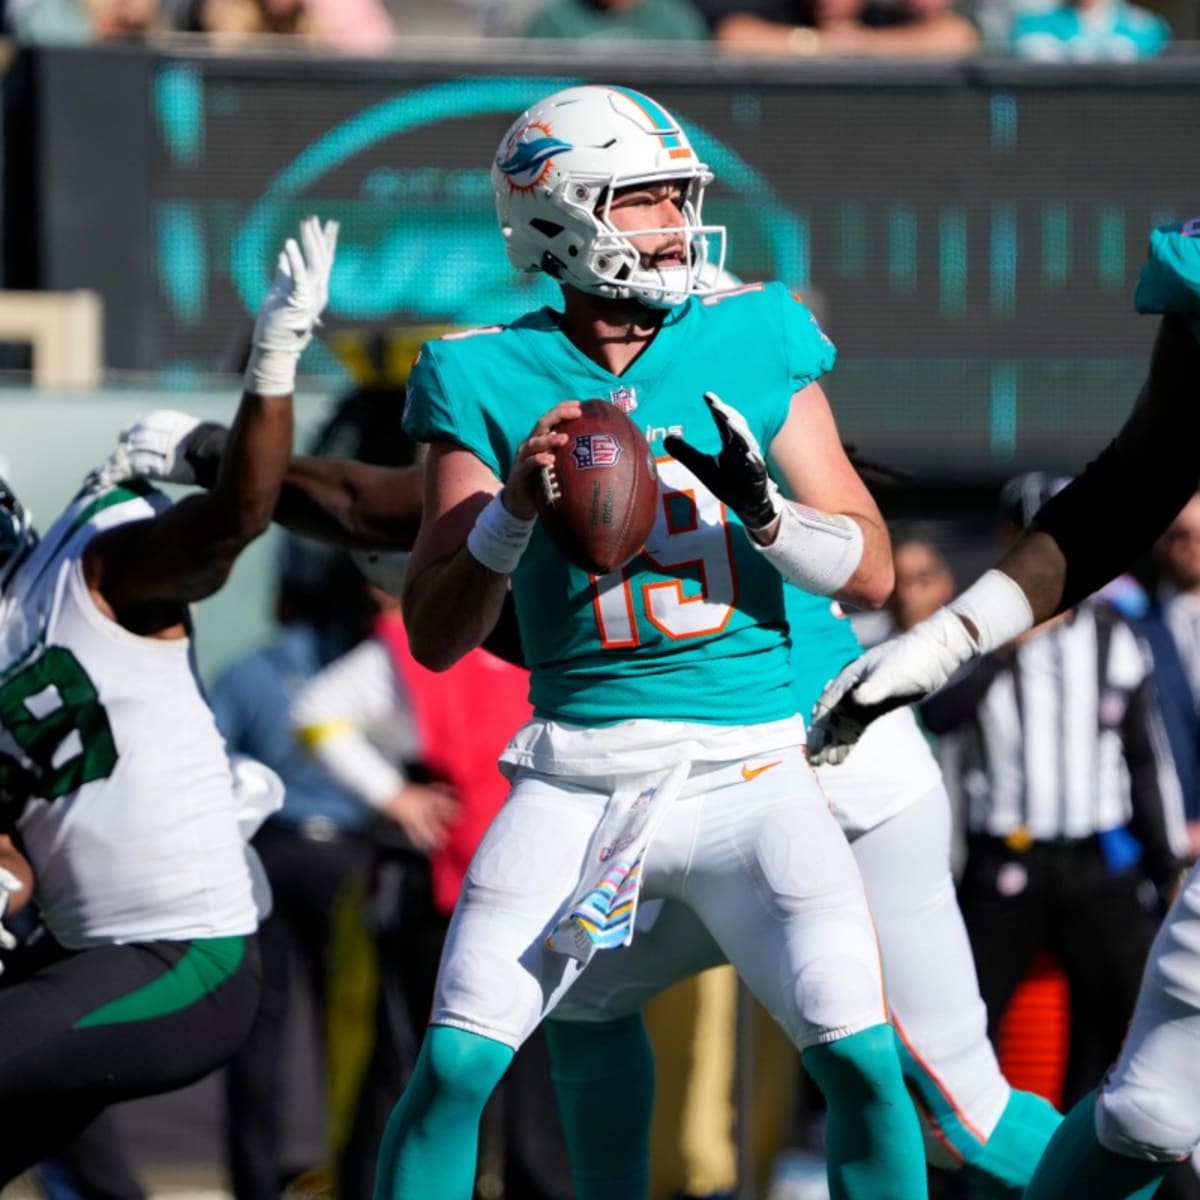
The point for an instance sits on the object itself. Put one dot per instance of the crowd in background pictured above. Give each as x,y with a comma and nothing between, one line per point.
1037,30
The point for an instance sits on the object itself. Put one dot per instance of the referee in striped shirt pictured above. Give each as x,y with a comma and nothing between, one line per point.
1072,808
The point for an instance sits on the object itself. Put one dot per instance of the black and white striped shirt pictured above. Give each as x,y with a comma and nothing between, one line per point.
1064,738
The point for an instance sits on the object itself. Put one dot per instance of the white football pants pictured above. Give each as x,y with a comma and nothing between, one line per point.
752,864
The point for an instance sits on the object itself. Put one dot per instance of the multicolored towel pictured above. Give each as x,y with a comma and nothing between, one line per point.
602,912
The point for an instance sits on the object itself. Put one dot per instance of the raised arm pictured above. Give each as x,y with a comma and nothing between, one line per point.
139,573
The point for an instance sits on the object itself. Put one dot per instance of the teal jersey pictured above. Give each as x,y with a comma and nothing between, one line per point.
823,642
692,629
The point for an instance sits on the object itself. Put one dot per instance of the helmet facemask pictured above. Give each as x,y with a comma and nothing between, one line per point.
612,265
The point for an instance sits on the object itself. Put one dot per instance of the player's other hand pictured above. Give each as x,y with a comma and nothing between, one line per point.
425,812
887,677
533,455
737,473
164,446
292,308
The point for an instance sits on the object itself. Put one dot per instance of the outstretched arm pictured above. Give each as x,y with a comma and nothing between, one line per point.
338,501
140,571
1094,528
352,504
1086,535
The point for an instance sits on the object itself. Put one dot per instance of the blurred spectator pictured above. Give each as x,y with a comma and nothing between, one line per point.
895,28
1172,628
353,26
924,582
456,724
74,21
310,849
618,20
1072,805
113,20
1088,31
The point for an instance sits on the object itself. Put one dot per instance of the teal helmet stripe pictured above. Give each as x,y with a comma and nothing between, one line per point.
664,125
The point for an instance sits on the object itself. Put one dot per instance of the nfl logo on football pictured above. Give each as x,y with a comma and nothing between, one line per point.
625,398
595,450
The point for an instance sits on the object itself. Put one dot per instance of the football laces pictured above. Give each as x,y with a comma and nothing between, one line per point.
550,487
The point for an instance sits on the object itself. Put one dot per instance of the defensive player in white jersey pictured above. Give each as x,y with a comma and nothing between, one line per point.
145,976
1118,1143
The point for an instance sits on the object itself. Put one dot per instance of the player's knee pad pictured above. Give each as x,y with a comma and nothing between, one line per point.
464,1066
1158,1125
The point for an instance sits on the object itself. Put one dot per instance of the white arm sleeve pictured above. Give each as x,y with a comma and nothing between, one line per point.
336,708
816,551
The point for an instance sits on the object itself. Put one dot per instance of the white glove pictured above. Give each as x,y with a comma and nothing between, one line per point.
151,447
9,886
887,677
291,309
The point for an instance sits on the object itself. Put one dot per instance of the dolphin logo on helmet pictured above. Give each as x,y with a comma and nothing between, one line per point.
526,155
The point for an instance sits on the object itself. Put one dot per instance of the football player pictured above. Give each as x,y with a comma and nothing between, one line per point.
1118,1143
121,794
632,776
892,804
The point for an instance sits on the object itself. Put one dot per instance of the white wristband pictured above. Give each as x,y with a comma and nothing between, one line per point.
273,372
498,539
997,607
816,551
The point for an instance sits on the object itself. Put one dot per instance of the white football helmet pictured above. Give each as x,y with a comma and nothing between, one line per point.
17,534
554,178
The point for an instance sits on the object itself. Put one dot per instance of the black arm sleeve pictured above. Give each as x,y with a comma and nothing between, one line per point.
1148,759
1129,494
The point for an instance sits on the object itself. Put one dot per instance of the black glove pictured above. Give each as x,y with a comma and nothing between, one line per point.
202,450
737,474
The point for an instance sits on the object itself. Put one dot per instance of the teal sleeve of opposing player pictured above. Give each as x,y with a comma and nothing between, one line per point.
1170,278
431,416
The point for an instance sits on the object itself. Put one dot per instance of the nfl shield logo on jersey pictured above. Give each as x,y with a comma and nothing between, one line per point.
595,450
625,398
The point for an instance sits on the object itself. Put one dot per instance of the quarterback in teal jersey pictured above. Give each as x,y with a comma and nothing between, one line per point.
665,755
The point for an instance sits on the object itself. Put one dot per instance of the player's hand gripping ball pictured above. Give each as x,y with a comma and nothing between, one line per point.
599,499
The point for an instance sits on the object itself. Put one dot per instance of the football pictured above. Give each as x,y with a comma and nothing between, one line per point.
598,501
